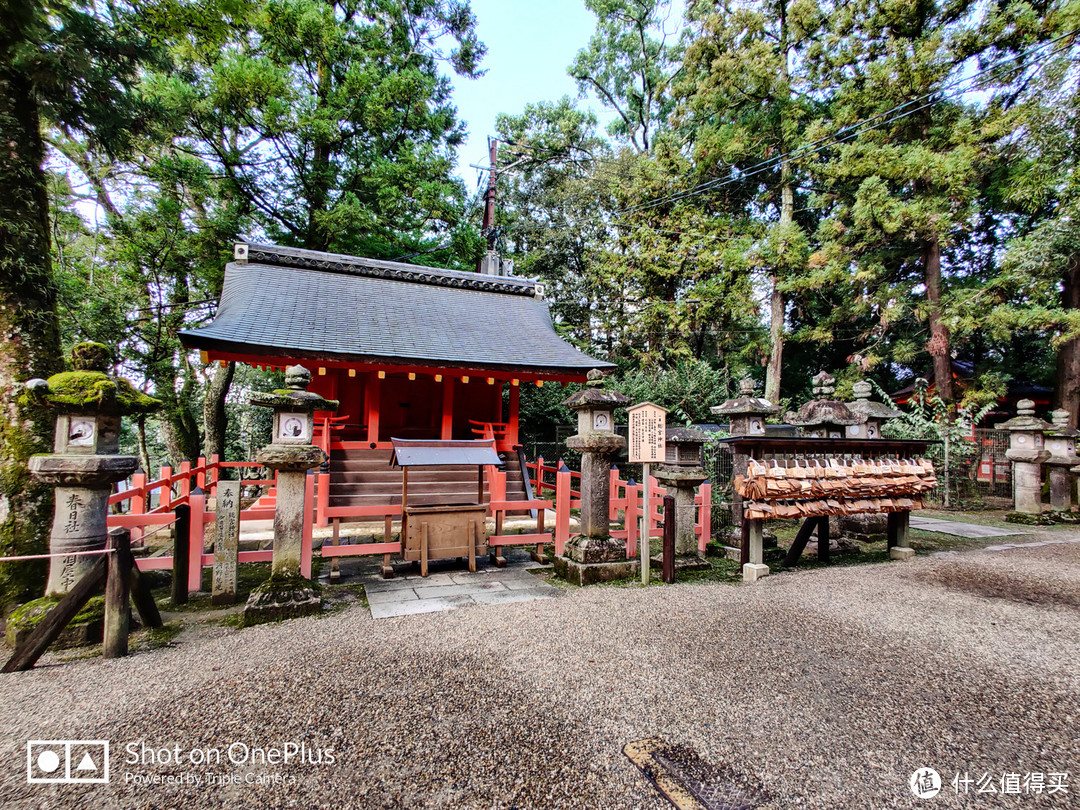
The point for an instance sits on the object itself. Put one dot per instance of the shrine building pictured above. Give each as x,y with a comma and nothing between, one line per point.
410,352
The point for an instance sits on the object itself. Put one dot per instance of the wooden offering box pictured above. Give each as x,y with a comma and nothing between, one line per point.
450,531
445,531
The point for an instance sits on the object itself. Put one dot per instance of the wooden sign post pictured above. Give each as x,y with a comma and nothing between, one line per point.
648,424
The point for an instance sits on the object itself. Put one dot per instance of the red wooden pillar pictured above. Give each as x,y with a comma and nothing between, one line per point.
562,509
515,409
371,406
322,500
447,430
197,500
165,491
200,473
306,539
185,478
139,502
630,518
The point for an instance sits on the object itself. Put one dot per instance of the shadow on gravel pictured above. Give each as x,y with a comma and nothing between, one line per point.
1014,586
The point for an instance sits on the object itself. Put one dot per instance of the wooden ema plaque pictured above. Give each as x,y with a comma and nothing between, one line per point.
648,423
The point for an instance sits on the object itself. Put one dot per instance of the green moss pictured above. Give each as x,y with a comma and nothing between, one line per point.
90,356
94,391
26,617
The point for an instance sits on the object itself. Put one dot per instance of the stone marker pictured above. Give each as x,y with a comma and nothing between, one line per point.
227,544
593,555
290,454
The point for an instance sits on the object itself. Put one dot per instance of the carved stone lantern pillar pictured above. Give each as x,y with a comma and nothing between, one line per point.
1061,444
746,415
593,555
682,473
1027,453
85,462
824,417
290,454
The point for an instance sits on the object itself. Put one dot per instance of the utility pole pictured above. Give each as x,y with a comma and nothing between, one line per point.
489,263
489,196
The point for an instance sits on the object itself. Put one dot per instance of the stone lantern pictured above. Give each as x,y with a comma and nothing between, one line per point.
1027,453
876,413
681,474
290,454
593,555
1061,444
746,415
823,417
85,462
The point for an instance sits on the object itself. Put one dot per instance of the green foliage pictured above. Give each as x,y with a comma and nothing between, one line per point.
687,390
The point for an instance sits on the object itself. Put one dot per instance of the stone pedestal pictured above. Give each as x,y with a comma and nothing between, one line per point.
1027,453
755,569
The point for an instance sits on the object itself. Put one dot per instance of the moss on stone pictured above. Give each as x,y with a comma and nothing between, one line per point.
95,391
25,618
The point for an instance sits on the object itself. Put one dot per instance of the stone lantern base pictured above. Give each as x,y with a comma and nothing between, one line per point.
282,597
594,559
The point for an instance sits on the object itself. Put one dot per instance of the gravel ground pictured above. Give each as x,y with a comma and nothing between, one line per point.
825,689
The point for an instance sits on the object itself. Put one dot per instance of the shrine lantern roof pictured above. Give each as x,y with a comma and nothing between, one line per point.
303,304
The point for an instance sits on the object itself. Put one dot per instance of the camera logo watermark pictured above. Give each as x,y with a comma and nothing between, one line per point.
67,762
925,783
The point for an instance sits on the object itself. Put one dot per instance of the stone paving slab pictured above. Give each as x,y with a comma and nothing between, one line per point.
414,594
970,530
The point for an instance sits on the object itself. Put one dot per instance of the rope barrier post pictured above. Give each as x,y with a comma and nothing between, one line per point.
181,543
117,593
668,569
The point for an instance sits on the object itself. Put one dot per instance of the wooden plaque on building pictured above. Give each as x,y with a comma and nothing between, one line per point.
648,423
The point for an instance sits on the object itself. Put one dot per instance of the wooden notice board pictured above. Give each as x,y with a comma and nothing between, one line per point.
647,425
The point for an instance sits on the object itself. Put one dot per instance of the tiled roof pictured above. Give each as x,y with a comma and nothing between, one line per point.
306,304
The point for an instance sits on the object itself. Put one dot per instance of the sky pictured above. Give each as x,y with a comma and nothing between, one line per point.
530,44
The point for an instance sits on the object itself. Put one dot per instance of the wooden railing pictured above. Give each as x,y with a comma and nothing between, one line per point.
154,505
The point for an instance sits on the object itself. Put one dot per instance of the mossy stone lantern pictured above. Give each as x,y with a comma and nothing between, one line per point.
85,462
876,413
290,454
1027,453
824,417
1061,444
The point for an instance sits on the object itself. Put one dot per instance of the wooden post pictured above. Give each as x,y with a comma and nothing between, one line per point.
744,545
54,622
335,568
613,494
322,502
446,430
143,600
538,555
307,539
181,543
539,488
200,473
165,492
630,520
423,549
388,535
799,543
668,570
185,478
823,539
474,531
138,501
371,406
515,410
705,516
562,509
117,594
213,472
646,525
197,535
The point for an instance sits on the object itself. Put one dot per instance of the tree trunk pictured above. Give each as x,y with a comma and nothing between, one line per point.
30,342
938,346
777,303
215,419
1067,390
